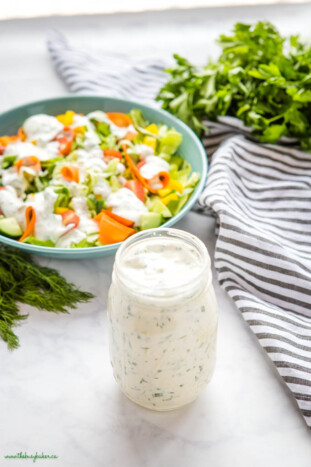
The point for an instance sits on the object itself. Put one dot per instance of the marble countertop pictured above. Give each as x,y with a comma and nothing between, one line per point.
57,392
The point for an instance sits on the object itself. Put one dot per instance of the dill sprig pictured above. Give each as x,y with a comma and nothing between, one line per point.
22,280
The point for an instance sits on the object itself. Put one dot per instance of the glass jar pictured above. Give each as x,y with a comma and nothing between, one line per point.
162,318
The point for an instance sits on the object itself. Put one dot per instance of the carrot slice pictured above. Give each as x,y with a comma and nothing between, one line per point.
135,172
140,164
111,231
30,216
70,217
114,153
120,219
136,187
29,161
119,119
162,178
130,135
71,173
98,217
21,134
6,140
65,139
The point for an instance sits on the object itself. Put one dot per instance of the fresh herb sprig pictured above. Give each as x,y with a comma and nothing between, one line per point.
260,77
24,281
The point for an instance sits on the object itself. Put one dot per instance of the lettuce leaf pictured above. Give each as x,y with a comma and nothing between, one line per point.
36,241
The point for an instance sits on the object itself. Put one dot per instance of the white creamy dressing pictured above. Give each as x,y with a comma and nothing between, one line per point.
162,331
86,224
82,120
42,128
93,164
73,236
153,166
101,186
85,227
14,178
121,131
48,226
143,150
125,203
120,168
10,204
98,115
25,149
91,141
95,153
118,131
75,189
161,263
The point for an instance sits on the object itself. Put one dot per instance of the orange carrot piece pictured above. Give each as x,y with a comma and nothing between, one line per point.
111,231
161,178
113,153
65,139
136,187
98,217
30,216
140,164
135,172
6,140
164,178
71,173
130,135
159,181
21,134
30,161
119,119
70,217
120,219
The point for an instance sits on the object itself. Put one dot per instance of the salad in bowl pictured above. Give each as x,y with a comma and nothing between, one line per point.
76,181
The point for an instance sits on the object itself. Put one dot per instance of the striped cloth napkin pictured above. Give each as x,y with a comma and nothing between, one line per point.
261,195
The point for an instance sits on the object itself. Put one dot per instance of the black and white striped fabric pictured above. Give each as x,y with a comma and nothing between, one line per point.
261,195
88,71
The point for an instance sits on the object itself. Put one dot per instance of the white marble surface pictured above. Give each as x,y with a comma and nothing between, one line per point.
57,393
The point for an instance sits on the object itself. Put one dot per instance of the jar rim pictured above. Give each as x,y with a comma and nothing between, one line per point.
181,235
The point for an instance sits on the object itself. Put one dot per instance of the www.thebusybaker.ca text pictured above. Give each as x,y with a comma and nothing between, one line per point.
34,457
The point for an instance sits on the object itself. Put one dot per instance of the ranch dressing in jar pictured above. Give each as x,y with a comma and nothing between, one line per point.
162,318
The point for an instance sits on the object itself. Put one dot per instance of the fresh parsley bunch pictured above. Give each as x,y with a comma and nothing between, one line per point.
260,77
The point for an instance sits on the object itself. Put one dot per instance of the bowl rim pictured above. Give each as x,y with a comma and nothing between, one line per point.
113,247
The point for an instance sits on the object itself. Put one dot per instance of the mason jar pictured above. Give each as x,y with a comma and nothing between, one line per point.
162,318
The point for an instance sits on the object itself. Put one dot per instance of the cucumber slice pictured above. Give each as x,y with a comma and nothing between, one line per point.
156,205
150,220
10,227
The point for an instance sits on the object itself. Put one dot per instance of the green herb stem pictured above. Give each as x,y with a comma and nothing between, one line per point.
22,280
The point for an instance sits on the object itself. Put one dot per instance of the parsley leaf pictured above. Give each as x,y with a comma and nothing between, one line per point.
260,77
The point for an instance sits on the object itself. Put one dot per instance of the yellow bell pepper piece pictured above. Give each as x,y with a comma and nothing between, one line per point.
66,118
164,192
79,130
150,141
168,198
172,185
60,210
175,185
34,142
153,129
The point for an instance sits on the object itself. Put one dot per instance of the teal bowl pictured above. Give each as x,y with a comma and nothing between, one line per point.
190,149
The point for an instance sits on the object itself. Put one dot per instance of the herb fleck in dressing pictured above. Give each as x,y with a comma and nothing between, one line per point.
162,319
